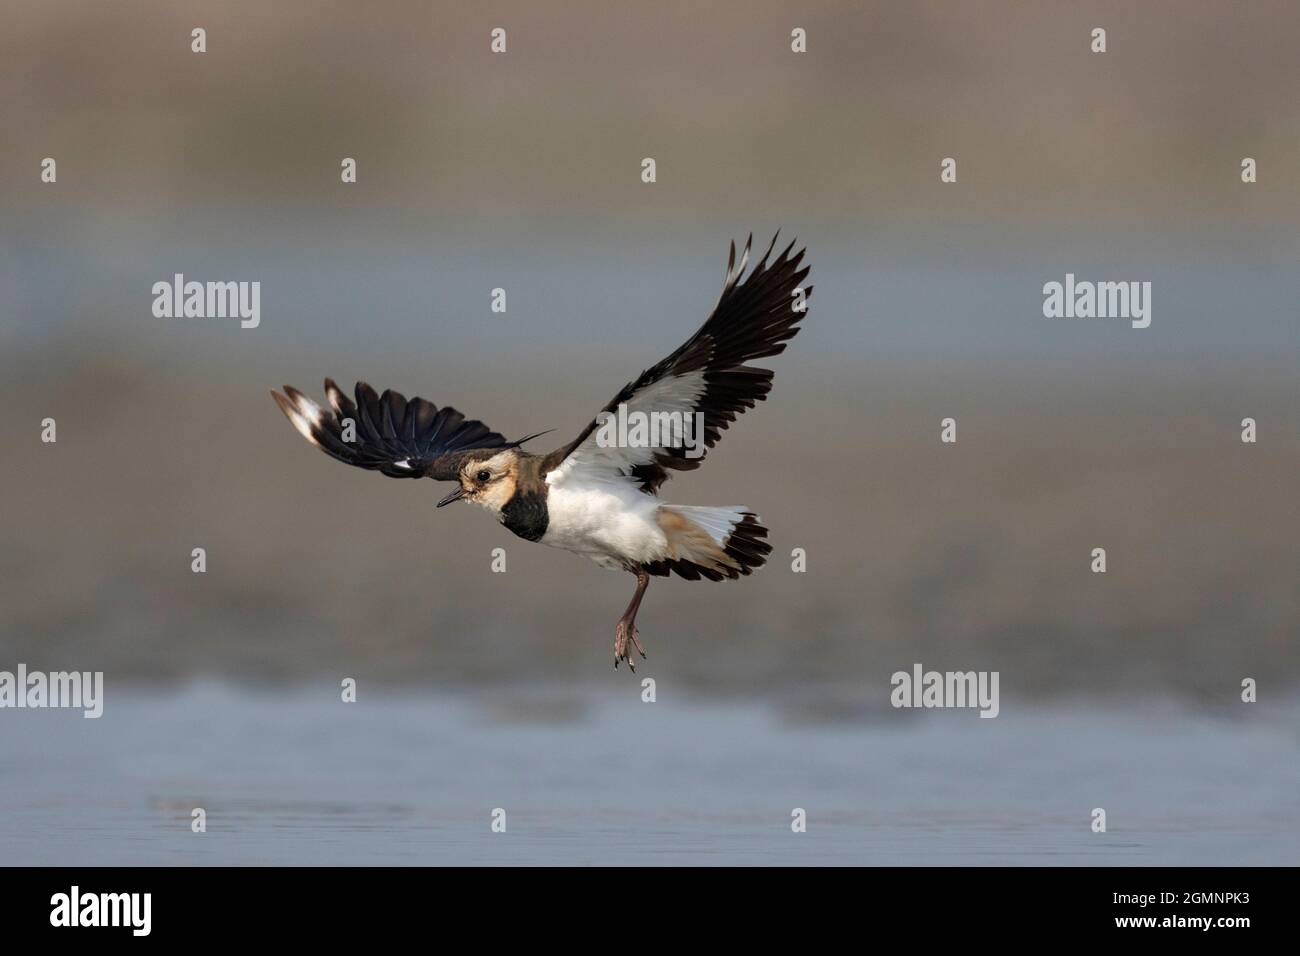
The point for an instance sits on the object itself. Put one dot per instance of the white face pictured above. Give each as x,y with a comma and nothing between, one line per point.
491,483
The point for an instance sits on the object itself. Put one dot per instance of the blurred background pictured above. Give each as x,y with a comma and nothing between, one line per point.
522,171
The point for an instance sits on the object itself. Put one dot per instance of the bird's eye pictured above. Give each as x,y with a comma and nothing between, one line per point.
484,475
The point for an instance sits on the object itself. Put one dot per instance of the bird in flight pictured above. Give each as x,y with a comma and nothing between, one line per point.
597,496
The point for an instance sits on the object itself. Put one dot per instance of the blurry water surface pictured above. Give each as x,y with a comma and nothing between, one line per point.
301,778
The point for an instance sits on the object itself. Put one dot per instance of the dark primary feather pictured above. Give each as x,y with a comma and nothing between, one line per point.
400,438
753,319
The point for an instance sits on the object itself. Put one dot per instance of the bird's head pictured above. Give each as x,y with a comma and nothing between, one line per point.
487,477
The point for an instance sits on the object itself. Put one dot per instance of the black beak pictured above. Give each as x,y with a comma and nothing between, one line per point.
454,496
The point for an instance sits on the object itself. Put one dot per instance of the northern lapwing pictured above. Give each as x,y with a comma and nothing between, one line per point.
597,495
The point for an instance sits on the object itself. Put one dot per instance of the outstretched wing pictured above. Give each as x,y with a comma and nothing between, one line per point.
754,318
387,433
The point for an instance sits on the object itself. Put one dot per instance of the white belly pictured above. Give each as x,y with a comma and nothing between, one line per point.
611,522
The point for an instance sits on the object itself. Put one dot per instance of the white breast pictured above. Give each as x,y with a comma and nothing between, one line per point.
607,519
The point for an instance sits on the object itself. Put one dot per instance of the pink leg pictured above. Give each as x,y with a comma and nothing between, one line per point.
625,632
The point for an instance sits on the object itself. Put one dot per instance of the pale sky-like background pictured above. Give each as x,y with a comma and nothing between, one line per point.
523,171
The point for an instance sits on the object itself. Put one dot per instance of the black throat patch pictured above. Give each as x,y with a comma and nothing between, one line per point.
525,514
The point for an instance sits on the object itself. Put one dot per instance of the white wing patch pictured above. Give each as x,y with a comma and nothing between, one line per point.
303,415
679,394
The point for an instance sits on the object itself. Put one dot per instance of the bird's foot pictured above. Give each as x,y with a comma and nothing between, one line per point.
626,638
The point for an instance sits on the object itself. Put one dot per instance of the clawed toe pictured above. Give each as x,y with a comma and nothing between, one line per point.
625,638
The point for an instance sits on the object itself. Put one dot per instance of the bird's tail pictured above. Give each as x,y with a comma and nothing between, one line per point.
709,542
